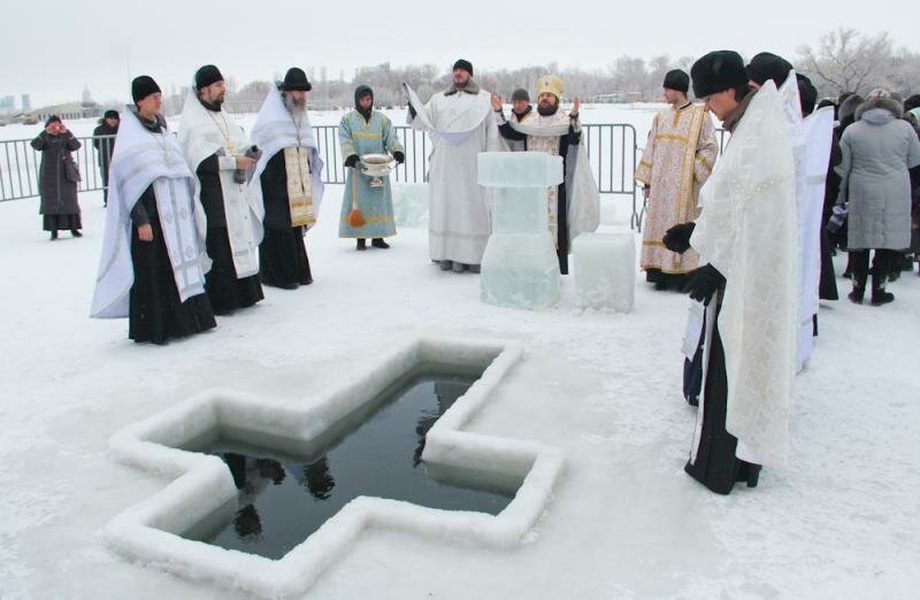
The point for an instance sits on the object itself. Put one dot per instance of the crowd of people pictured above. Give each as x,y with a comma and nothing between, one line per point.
197,223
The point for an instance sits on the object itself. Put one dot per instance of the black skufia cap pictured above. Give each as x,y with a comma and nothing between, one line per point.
142,87
677,80
207,75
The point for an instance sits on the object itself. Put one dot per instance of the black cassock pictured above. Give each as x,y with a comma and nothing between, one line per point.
226,292
716,465
283,260
155,312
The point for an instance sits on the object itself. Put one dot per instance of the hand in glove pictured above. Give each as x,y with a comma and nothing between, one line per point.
399,156
677,238
703,283
351,161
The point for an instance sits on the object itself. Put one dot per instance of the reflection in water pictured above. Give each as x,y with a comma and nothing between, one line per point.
317,479
378,457
251,476
446,393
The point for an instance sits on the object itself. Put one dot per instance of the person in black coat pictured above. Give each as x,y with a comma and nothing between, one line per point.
57,180
104,143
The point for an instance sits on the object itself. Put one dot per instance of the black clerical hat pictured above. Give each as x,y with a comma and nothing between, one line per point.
207,75
677,80
295,80
142,87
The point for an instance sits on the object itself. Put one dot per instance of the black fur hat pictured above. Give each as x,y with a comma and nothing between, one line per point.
717,71
766,66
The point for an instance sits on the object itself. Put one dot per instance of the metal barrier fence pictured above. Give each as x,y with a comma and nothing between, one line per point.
612,153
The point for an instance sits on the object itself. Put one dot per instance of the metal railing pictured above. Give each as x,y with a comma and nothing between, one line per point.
611,148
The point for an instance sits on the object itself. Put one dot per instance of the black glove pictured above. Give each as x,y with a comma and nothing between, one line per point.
703,283
399,156
677,238
351,160
412,111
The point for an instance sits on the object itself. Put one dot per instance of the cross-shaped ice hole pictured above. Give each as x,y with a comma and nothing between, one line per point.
151,532
285,494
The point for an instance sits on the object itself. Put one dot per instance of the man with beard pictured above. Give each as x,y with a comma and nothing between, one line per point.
573,205
746,236
676,162
367,131
219,153
461,126
104,143
290,185
151,269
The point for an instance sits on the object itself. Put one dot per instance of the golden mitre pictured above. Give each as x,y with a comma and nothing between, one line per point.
551,84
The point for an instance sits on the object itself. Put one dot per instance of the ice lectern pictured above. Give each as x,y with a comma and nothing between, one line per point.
520,268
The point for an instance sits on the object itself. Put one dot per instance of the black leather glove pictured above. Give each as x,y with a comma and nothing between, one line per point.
412,111
703,283
677,238
351,160
399,156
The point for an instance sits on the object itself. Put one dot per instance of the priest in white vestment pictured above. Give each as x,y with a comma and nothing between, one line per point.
573,206
153,253
223,159
677,160
746,236
461,125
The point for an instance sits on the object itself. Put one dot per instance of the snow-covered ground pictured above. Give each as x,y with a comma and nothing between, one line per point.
841,521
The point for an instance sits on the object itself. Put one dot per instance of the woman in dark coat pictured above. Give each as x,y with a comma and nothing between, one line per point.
58,193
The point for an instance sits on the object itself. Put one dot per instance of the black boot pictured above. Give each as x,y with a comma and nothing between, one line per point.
53,234
379,243
75,233
879,295
362,244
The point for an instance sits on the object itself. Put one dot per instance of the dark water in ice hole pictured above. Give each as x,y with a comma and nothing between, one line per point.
285,497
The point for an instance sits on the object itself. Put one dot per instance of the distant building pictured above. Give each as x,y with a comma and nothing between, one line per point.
26,103
7,103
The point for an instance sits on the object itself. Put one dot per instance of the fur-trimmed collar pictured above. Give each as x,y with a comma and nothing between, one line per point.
888,104
471,88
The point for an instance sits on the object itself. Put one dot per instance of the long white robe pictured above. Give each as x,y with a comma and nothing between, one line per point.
203,133
747,230
461,126
143,159
819,131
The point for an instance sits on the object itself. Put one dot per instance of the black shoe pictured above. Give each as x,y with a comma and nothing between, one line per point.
362,244
379,243
75,233
882,297
54,235
856,296
661,286
446,265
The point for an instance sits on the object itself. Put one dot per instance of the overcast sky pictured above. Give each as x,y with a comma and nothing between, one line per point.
60,48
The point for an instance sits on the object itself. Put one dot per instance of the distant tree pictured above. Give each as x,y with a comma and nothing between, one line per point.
847,61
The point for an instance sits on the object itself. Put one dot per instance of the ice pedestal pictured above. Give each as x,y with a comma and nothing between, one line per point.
410,204
605,270
520,267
